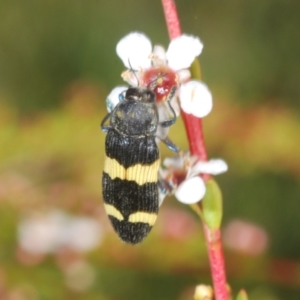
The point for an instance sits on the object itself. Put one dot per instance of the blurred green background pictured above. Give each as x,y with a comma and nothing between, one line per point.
58,63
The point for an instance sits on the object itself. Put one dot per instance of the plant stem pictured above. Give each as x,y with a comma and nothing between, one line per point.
172,19
215,252
193,127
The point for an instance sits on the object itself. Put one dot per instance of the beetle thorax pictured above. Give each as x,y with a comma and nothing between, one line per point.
133,117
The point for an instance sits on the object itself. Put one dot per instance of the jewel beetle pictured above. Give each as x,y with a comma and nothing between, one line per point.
130,181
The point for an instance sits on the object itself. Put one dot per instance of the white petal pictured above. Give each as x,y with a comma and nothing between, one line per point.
183,75
169,161
163,114
213,167
191,190
182,51
114,97
175,163
182,162
131,77
159,52
195,98
161,133
159,56
134,50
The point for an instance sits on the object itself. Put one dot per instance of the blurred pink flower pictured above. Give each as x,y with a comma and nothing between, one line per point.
245,237
49,232
177,224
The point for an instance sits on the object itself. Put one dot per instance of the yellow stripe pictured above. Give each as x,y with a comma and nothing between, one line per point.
112,211
148,218
114,169
143,217
139,173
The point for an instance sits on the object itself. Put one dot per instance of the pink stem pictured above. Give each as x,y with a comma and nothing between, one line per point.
216,259
172,19
193,127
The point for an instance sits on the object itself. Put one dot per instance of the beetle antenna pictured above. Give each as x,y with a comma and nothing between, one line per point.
133,71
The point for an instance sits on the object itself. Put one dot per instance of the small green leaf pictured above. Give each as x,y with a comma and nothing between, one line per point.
242,295
196,69
212,205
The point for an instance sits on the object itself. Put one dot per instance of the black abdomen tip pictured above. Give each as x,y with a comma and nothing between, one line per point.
132,233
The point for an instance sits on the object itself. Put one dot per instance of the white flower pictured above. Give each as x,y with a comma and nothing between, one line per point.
49,232
138,55
195,98
182,51
192,189
134,50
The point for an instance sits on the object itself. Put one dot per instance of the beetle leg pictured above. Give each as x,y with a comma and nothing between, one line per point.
105,128
170,144
170,122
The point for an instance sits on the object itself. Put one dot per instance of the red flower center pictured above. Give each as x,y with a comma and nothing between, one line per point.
160,80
